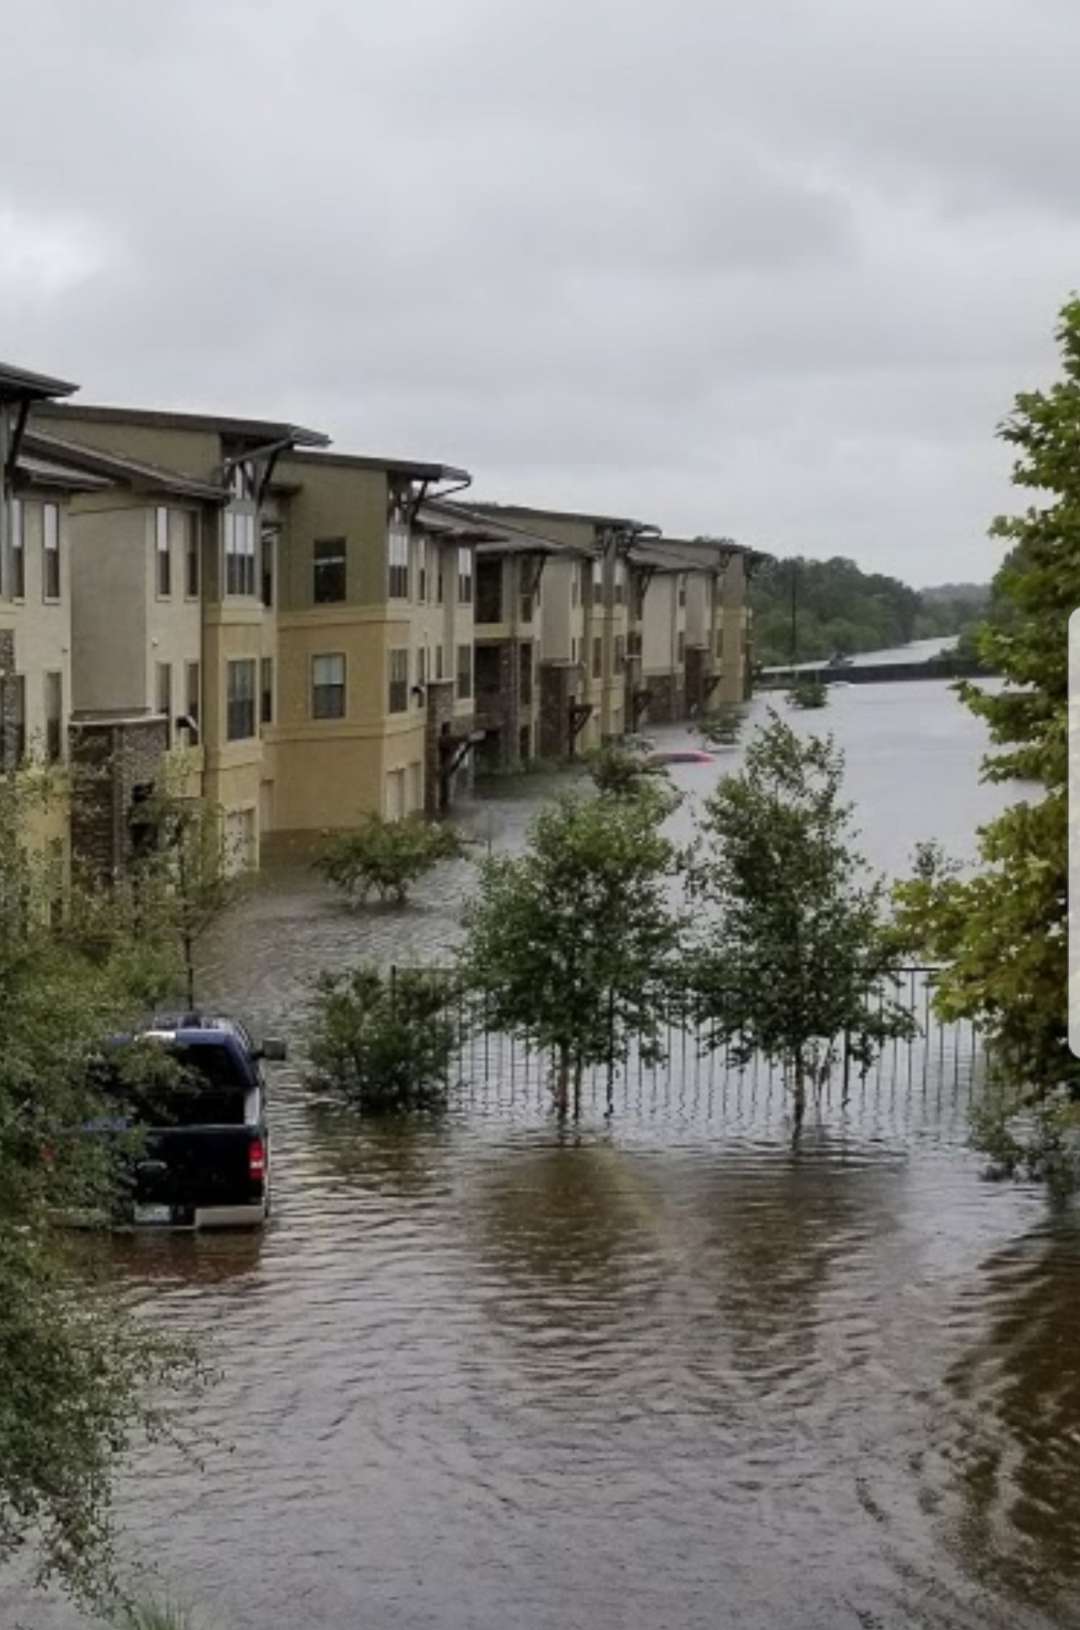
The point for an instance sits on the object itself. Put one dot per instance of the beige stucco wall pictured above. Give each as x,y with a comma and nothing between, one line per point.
108,603
42,629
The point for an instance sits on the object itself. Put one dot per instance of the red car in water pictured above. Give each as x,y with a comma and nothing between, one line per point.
679,755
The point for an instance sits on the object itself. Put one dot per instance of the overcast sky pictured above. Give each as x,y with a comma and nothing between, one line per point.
763,268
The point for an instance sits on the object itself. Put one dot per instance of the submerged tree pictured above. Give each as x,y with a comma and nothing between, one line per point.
621,770
382,1042
386,857
809,691
572,943
1002,934
799,958
721,726
80,1379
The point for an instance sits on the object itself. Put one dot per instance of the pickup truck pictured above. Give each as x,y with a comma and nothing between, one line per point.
202,1155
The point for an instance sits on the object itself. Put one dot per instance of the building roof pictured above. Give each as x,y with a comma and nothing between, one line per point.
419,469
42,472
116,468
498,511
258,432
20,385
491,536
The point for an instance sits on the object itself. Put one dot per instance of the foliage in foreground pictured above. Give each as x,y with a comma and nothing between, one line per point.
798,953
1002,934
82,1380
622,771
386,857
382,1042
572,943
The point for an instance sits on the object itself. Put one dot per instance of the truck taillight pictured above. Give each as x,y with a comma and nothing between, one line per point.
257,1160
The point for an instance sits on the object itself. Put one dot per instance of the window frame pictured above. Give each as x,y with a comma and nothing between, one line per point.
334,566
51,593
397,560
162,553
18,549
397,683
266,691
598,656
465,575
326,691
233,702
464,676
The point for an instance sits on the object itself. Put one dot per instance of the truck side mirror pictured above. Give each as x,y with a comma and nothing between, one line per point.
274,1050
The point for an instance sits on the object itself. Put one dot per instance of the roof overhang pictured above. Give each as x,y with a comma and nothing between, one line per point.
20,385
114,469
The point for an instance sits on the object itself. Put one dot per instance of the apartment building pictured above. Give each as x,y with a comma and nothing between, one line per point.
717,618
585,623
181,647
375,701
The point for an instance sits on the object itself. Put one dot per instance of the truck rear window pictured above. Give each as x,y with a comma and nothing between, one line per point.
210,1091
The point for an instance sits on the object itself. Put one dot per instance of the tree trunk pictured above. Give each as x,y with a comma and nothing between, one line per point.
800,1097
189,969
562,1083
577,1089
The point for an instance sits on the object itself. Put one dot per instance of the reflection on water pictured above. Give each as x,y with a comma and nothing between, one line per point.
662,1371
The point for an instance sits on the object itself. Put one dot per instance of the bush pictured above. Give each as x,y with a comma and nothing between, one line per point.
386,857
808,692
721,726
620,770
383,1043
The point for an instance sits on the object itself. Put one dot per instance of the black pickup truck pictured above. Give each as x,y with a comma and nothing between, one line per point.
202,1153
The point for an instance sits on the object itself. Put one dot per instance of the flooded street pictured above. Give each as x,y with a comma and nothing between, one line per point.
654,1372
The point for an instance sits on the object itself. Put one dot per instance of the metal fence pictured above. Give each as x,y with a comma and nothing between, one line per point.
933,1075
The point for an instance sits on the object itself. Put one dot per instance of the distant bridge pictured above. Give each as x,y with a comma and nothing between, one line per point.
946,666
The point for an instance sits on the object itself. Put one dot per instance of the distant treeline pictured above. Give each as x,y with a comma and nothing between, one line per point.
839,608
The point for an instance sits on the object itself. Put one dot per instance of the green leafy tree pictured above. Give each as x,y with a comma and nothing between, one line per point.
386,857
572,943
1002,934
798,954
80,1379
809,692
622,771
184,876
721,726
382,1042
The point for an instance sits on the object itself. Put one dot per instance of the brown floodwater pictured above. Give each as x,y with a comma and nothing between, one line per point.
657,1370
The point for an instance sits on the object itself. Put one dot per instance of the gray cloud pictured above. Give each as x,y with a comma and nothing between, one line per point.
758,267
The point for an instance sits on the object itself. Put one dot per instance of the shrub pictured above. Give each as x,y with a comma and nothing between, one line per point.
382,1042
808,692
620,770
721,726
386,857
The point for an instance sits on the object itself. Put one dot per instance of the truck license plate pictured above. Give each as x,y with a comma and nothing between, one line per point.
153,1214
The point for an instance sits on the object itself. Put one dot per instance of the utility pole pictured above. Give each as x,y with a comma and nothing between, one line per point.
794,611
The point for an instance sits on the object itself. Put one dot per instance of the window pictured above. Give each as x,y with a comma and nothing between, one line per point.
50,576
240,699
18,716
464,672
440,583
620,654
421,665
464,576
163,696
266,691
187,523
269,563
328,687
682,588
680,646
489,577
329,569
525,673
438,661
597,582
633,644
620,582
18,550
398,699
54,717
421,570
574,649
397,545
239,552
164,553
598,657
192,691
527,602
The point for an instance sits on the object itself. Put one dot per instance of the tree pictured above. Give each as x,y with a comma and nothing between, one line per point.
386,857
720,727
620,770
809,692
79,1377
572,944
383,1043
184,877
799,955
1002,934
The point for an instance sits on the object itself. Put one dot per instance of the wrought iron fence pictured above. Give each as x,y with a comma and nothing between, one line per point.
936,1071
